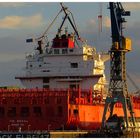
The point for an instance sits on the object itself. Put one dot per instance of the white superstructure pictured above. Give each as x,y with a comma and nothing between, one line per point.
65,65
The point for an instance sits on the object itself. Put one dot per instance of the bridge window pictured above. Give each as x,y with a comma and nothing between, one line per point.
74,65
2,112
46,80
25,111
73,86
56,51
64,51
71,50
46,86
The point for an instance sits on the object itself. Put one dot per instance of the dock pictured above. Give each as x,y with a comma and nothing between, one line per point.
72,134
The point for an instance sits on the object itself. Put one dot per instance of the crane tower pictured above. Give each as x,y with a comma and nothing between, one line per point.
118,91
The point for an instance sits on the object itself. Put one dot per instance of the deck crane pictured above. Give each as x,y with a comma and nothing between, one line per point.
44,35
68,17
118,91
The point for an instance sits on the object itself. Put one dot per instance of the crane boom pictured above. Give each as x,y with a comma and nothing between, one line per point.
118,91
64,9
50,25
72,22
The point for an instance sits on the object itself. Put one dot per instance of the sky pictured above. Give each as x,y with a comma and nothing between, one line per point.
19,21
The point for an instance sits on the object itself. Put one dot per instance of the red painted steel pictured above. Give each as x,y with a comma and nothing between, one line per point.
63,42
42,109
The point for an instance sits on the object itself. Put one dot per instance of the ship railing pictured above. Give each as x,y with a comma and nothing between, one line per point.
78,96
74,119
33,92
135,101
52,73
56,71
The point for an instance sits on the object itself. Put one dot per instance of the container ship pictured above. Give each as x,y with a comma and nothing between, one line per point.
65,87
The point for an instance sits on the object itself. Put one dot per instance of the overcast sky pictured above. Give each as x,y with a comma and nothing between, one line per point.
19,21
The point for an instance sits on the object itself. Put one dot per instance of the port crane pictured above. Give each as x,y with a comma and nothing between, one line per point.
118,91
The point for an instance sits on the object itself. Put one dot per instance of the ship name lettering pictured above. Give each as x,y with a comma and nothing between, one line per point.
19,136
12,121
6,136
21,121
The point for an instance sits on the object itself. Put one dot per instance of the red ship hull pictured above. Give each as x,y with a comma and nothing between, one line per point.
30,110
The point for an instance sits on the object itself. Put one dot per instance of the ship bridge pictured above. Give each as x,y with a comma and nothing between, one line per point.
78,67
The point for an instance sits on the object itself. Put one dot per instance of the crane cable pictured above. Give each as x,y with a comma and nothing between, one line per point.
63,9
50,25
73,20
76,29
134,84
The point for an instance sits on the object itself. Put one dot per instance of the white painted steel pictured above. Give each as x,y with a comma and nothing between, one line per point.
88,70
